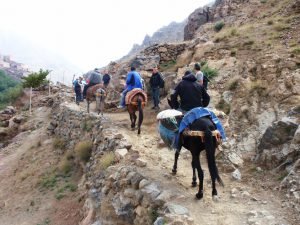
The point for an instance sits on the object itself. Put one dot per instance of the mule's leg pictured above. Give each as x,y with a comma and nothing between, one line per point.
194,182
88,106
131,120
134,119
196,159
174,170
210,148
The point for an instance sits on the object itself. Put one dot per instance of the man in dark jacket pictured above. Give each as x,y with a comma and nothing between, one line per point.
106,79
156,82
77,89
94,78
191,94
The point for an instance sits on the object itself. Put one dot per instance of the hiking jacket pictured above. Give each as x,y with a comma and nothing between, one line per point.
77,87
133,80
156,80
106,78
191,94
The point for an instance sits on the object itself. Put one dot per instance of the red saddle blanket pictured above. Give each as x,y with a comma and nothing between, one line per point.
133,93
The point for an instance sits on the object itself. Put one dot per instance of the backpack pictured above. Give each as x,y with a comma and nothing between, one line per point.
162,81
205,81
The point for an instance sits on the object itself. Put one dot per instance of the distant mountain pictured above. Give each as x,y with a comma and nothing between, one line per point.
173,32
36,57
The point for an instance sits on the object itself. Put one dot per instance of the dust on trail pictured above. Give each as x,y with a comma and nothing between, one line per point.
23,163
229,210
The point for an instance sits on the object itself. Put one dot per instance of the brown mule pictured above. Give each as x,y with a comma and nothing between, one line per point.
136,103
91,95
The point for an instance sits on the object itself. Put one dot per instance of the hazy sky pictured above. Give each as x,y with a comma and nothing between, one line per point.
91,33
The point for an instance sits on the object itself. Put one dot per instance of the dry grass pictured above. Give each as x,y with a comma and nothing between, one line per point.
233,84
224,106
66,165
107,160
258,86
83,150
59,143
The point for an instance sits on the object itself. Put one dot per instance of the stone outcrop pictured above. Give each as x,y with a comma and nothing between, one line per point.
171,33
199,17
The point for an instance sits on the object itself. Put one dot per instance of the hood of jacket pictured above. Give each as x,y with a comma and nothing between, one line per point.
189,77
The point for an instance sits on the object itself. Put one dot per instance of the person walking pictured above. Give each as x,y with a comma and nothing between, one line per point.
191,94
156,82
106,79
77,89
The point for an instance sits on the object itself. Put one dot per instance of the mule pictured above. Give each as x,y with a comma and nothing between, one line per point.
200,135
137,103
97,93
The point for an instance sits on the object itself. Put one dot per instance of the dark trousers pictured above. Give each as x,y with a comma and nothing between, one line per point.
85,89
155,95
78,96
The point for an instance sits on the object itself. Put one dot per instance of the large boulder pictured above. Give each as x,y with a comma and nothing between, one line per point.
199,17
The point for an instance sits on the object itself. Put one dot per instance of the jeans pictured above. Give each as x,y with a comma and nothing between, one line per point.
155,95
122,101
78,96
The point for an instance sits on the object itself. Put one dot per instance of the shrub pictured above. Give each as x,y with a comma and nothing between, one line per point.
263,1
219,25
107,160
270,22
233,84
233,32
209,72
280,27
224,106
83,150
296,51
87,125
257,86
233,52
48,181
66,165
168,65
59,143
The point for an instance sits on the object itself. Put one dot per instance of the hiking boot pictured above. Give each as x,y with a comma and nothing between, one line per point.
153,107
156,108
120,107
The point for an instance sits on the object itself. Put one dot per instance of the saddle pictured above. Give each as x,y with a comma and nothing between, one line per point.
131,94
201,134
94,88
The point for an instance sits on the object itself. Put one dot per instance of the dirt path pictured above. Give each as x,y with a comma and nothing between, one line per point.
25,166
241,202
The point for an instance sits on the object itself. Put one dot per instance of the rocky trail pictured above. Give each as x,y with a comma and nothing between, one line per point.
240,202
30,158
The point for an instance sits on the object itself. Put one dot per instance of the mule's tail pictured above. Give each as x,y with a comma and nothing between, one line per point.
141,115
210,148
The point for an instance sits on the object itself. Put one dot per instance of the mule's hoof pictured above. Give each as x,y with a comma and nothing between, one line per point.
215,198
174,172
199,196
194,184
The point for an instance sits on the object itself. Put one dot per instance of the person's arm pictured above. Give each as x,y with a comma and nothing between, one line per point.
129,79
174,95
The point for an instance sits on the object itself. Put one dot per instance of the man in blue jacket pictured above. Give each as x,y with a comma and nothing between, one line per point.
133,80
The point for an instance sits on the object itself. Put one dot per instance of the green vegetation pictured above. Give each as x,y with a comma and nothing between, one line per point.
48,181
87,125
153,214
36,79
107,160
83,150
61,191
263,1
219,25
208,71
10,90
296,51
45,222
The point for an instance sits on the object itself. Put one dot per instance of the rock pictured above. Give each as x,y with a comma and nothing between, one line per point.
143,183
121,153
3,131
18,119
176,209
97,223
152,190
159,221
236,175
141,162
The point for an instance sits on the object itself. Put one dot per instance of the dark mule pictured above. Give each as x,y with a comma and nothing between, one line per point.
137,103
91,96
196,142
